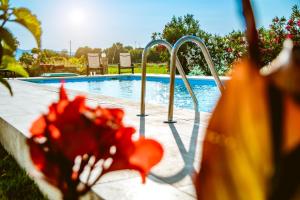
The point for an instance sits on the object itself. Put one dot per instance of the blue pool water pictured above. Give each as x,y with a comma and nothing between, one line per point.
157,92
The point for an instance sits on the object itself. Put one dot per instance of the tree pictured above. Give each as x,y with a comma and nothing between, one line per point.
271,40
114,51
225,50
175,29
218,48
136,55
27,59
154,55
83,51
8,43
64,53
128,47
35,50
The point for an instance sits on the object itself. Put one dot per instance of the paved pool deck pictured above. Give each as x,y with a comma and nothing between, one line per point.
170,179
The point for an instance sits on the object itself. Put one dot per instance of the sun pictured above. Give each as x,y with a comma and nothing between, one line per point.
77,16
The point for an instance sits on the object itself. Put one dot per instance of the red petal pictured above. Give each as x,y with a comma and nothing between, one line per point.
37,155
78,104
62,93
141,155
38,127
124,134
52,114
147,154
60,106
54,131
117,113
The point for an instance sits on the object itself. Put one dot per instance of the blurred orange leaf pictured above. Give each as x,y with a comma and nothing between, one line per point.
237,154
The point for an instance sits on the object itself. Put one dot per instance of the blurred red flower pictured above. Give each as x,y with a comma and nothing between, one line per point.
160,48
289,36
71,129
275,19
290,22
276,40
229,50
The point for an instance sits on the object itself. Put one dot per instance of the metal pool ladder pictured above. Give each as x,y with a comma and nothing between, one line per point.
176,64
174,59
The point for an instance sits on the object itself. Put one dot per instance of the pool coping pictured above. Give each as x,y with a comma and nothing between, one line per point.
222,78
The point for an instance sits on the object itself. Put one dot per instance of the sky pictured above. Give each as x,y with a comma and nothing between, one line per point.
100,23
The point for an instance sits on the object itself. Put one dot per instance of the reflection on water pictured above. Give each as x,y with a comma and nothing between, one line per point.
157,92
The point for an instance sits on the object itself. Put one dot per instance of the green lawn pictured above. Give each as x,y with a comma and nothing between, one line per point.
112,69
14,182
151,69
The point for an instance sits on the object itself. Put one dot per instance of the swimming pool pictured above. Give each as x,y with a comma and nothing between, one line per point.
129,87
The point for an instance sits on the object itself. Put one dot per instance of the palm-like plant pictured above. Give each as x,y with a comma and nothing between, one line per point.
8,43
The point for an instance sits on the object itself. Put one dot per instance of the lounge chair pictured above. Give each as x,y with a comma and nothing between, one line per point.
104,64
125,62
94,64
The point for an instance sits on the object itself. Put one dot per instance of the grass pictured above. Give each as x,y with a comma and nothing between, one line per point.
14,182
151,69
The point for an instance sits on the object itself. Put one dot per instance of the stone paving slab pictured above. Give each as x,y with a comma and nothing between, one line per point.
137,191
170,179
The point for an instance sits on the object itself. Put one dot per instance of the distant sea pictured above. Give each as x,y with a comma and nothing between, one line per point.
19,53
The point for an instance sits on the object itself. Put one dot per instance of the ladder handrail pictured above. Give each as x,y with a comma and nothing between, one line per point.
178,65
174,58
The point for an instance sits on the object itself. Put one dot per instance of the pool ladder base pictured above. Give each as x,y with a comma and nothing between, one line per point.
142,115
170,122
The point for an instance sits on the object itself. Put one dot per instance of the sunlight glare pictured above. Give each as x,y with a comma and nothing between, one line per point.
77,17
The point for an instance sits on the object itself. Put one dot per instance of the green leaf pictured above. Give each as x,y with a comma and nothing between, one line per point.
9,63
30,22
6,84
4,2
17,68
1,53
4,7
8,38
7,50
6,60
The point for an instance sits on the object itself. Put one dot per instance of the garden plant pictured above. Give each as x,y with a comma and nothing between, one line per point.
8,43
73,139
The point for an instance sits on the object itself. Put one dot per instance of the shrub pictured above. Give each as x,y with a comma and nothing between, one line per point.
197,71
225,50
